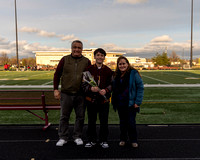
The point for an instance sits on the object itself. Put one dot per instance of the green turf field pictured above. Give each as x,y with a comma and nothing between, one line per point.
171,77
161,105
26,78
149,77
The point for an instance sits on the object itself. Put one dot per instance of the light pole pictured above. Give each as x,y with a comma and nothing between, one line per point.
16,35
191,47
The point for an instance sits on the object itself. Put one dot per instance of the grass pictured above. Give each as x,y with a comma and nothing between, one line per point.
169,114
26,78
160,105
149,77
172,77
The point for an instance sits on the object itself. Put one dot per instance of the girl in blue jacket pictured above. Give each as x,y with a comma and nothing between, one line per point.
128,90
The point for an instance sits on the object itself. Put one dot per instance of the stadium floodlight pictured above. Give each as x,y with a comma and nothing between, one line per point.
191,47
17,56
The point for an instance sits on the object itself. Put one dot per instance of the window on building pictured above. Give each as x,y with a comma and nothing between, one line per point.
54,60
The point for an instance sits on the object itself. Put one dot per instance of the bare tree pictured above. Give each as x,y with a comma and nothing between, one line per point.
28,61
24,62
4,58
31,61
174,57
13,60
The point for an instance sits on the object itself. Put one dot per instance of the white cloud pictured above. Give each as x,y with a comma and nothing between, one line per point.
7,51
157,44
68,37
148,50
113,47
3,41
39,32
27,49
29,30
164,38
44,33
38,47
92,44
24,48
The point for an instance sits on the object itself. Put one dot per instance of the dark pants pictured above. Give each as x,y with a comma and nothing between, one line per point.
68,103
127,124
93,110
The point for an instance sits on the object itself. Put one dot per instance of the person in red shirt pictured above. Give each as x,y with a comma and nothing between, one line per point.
6,66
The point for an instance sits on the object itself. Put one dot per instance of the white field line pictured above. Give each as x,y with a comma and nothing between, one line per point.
156,79
21,78
176,74
38,74
146,85
182,75
47,83
27,77
160,100
26,86
172,85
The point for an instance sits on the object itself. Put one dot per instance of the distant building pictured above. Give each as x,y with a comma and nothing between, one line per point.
137,61
53,57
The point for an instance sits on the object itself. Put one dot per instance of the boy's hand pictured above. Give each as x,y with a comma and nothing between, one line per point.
95,89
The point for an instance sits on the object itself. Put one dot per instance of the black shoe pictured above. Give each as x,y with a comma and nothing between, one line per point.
90,144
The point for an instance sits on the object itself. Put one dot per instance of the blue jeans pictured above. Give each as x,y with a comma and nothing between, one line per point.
127,117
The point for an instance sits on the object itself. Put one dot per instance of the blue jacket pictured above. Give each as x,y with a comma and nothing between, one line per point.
136,90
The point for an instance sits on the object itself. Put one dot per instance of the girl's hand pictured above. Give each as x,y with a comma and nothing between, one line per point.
136,106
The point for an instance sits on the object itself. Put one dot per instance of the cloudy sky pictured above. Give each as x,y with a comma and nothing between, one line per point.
138,27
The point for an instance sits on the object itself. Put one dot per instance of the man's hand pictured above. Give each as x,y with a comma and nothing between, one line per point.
57,94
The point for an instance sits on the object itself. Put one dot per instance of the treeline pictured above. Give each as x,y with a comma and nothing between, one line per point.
4,59
165,60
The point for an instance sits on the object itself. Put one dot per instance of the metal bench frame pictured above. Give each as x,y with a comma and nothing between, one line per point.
28,108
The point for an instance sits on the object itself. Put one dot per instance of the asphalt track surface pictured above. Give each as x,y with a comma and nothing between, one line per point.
167,142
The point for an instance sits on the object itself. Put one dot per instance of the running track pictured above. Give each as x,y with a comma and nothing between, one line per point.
167,142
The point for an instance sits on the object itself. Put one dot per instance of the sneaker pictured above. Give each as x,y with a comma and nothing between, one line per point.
78,141
104,144
90,144
61,142
134,145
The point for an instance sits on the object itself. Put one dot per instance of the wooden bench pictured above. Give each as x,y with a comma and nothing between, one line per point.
9,103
